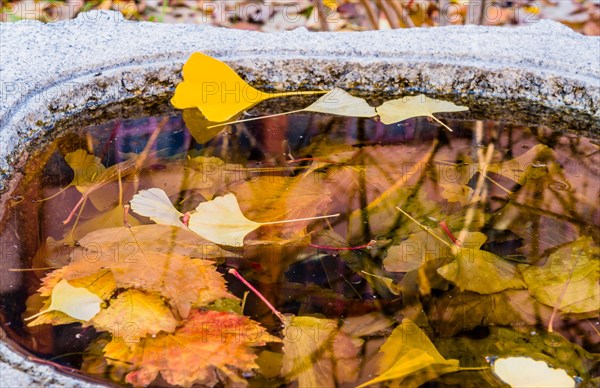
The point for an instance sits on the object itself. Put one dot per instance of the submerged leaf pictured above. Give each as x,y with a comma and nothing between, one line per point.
409,354
86,169
317,353
573,271
414,106
480,271
215,88
210,347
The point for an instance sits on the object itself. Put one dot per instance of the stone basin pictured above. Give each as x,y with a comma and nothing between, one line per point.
66,71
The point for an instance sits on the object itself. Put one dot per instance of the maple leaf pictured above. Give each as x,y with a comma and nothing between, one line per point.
409,358
568,279
133,315
414,106
209,347
208,84
153,258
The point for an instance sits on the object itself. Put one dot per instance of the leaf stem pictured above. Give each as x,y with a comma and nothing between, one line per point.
426,229
255,118
561,296
438,120
299,219
257,293
356,248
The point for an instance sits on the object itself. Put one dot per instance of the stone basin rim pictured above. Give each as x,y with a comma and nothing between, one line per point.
523,69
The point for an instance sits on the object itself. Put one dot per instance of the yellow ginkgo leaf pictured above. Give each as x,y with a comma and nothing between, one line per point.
220,220
155,204
414,106
217,90
76,302
86,169
335,102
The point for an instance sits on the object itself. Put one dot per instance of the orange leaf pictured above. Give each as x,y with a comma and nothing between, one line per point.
209,347
135,314
153,258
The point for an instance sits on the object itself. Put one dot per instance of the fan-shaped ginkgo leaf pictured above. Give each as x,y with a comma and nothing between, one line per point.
341,103
86,169
217,90
414,106
77,302
155,204
220,220
480,271
409,355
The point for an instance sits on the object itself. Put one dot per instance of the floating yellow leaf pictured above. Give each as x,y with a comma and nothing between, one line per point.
414,106
220,220
156,205
77,302
215,88
526,372
331,4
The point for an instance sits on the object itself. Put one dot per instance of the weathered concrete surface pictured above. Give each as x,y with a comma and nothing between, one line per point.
49,72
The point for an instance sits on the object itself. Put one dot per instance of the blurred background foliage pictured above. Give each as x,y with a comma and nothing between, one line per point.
322,15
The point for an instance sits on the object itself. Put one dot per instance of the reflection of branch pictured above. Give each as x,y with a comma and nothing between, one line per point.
487,158
548,213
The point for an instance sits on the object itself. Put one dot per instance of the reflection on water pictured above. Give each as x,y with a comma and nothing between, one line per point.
485,238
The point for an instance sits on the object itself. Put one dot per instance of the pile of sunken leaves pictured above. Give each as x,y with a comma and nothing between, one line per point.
145,275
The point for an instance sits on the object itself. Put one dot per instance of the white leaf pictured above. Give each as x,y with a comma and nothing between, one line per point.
155,204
